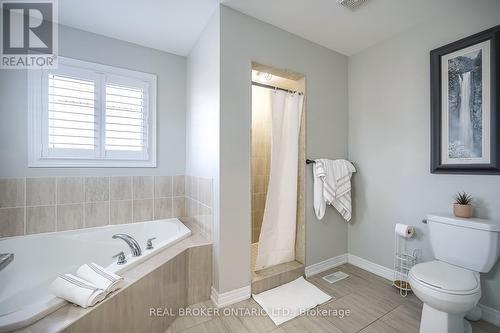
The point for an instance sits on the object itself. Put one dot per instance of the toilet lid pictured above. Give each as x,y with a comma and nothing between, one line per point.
445,276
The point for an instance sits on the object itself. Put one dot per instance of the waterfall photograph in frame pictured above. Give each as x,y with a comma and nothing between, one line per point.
465,118
466,105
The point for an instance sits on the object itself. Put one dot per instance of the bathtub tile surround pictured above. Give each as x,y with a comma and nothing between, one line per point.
163,208
199,263
96,189
143,187
70,217
199,203
179,206
174,278
40,191
120,188
120,212
163,187
48,204
70,190
179,185
96,214
12,192
12,221
143,210
40,219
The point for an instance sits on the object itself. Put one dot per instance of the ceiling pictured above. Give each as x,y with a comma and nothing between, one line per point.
168,25
175,25
327,23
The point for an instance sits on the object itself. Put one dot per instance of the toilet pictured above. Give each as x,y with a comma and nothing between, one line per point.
450,286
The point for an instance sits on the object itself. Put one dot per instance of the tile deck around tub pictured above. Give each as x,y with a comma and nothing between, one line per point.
138,290
375,306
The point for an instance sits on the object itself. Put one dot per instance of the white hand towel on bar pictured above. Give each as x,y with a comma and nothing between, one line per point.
100,277
319,200
76,290
332,180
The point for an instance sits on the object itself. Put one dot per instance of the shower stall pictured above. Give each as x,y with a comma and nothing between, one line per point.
278,174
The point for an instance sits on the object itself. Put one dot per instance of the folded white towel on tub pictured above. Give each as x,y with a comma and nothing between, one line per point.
76,290
100,277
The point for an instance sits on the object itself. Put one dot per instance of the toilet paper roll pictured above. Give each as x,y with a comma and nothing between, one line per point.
403,230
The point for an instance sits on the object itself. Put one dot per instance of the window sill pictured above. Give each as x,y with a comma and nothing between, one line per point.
90,164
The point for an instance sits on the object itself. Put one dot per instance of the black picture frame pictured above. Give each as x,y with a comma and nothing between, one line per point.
437,166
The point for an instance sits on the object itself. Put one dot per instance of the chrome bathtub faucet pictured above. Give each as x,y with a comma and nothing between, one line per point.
6,259
149,243
121,258
131,242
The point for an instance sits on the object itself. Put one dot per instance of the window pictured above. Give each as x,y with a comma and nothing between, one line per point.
84,114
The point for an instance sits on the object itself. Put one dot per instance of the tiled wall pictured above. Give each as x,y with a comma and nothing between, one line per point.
199,203
261,161
34,205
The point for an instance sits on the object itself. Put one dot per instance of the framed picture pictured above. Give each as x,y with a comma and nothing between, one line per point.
465,109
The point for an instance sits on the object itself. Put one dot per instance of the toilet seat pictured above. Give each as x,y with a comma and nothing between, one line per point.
446,278
444,287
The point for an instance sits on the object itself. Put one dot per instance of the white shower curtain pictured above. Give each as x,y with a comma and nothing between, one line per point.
277,235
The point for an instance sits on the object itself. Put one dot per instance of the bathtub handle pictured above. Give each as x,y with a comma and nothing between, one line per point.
149,243
121,258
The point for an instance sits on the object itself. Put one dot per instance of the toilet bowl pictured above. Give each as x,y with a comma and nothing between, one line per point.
450,286
448,293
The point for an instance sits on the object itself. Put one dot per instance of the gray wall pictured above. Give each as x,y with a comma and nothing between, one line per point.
73,43
389,126
203,109
244,39
202,114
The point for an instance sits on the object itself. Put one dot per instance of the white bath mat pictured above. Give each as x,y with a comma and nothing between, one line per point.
335,277
290,300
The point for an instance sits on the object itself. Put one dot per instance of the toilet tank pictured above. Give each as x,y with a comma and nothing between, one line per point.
473,244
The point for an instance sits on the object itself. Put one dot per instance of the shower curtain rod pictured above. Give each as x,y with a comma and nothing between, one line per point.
268,86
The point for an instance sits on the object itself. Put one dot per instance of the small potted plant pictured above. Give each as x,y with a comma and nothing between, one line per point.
462,206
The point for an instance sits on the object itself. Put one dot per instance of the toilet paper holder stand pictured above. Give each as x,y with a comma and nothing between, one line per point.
404,260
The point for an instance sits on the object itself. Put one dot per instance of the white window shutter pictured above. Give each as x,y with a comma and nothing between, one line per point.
72,121
126,119
83,114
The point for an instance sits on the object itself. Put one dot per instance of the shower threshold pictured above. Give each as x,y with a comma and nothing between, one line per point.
274,276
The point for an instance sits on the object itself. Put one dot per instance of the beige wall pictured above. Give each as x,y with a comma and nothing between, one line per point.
389,139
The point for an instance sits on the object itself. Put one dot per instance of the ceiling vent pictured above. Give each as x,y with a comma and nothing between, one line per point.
351,4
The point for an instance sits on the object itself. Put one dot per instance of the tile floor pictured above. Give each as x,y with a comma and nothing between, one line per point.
375,307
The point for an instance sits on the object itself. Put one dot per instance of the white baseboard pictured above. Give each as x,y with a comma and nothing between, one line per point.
230,297
325,265
490,315
371,267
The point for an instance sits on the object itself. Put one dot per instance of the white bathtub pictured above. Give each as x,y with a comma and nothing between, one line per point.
24,284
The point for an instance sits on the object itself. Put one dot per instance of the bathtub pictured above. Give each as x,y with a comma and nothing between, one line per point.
24,284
